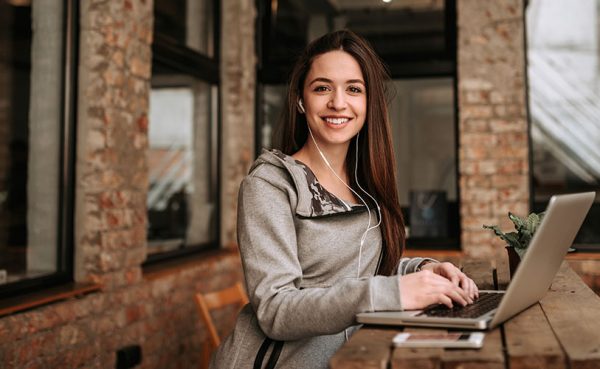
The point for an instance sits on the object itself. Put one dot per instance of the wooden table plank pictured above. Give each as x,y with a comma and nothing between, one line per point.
531,343
490,356
368,348
481,273
573,311
502,273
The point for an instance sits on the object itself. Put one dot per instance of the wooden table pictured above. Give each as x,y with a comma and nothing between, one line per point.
561,331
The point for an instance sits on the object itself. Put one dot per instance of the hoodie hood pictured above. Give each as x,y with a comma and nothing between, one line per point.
313,199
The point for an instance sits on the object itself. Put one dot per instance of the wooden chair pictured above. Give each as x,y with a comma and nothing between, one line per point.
215,300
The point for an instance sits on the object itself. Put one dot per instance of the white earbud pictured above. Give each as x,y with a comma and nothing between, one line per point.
301,106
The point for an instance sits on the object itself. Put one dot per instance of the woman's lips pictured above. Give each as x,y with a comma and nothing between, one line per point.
336,122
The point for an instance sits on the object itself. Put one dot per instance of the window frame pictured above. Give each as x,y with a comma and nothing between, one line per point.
66,209
207,69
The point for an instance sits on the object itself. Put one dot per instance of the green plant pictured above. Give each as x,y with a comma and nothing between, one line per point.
525,229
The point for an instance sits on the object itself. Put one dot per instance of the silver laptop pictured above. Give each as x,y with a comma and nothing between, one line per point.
564,216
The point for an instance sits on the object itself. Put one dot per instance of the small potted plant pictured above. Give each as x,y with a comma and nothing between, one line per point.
518,241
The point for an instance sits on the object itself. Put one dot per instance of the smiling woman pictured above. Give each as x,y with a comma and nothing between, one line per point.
319,225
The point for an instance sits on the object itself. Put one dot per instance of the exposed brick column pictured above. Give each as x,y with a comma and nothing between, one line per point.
238,81
114,84
493,139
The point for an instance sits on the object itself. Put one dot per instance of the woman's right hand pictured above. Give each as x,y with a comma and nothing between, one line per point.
424,288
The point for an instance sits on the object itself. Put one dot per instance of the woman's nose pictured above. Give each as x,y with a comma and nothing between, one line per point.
338,100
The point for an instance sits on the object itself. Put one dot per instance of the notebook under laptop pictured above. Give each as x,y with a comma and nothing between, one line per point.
564,216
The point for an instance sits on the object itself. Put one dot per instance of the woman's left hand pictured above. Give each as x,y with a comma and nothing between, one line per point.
454,275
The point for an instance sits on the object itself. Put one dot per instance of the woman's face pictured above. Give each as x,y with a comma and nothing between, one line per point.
335,98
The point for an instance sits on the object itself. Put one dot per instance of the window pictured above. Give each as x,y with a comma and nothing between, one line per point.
424,137
417,40
563,57
183,133
35,144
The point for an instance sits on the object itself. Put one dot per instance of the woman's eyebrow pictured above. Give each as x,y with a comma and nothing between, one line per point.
327,80
356,81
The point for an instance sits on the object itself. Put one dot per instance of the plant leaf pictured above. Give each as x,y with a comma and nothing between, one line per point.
511,238
524,238
533,221
518,222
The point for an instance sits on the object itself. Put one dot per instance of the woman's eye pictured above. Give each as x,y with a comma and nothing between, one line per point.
354,89
320,89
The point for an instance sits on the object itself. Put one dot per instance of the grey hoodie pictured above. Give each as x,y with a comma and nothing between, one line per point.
300,249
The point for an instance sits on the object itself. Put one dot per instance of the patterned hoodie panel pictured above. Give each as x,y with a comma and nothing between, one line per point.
317,201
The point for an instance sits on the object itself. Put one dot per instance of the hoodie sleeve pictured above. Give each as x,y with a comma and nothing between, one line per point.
411,265
267,240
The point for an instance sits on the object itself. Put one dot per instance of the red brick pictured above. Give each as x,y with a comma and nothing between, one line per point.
513,139
134,313
476,111
512,166
478,140
512,152
476,97
510,181
114,218
477,152
513,125
106,200
509,110
487,166
475,126
480,209
477,181
142,123
69,335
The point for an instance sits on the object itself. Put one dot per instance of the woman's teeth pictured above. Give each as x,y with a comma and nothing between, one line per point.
336,121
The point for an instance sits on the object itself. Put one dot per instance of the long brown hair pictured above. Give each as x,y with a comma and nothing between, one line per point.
376,166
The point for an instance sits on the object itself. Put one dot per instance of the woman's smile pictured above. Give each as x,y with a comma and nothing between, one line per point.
336,122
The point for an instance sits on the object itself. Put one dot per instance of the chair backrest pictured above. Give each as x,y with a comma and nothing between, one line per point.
215,300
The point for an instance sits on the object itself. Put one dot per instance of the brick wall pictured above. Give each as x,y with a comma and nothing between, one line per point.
111,183
237,104
157,313
156,309
493,132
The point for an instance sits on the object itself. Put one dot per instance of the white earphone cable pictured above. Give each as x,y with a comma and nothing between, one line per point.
364,236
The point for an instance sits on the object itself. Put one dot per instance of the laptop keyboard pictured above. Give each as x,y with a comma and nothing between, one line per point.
485,303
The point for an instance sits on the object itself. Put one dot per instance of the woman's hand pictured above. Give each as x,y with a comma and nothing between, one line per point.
454,275
421,289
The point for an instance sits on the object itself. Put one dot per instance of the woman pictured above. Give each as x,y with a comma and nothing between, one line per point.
319,223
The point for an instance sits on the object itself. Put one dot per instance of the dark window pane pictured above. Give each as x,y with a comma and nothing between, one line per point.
181,198
188,23
423,128
31,65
